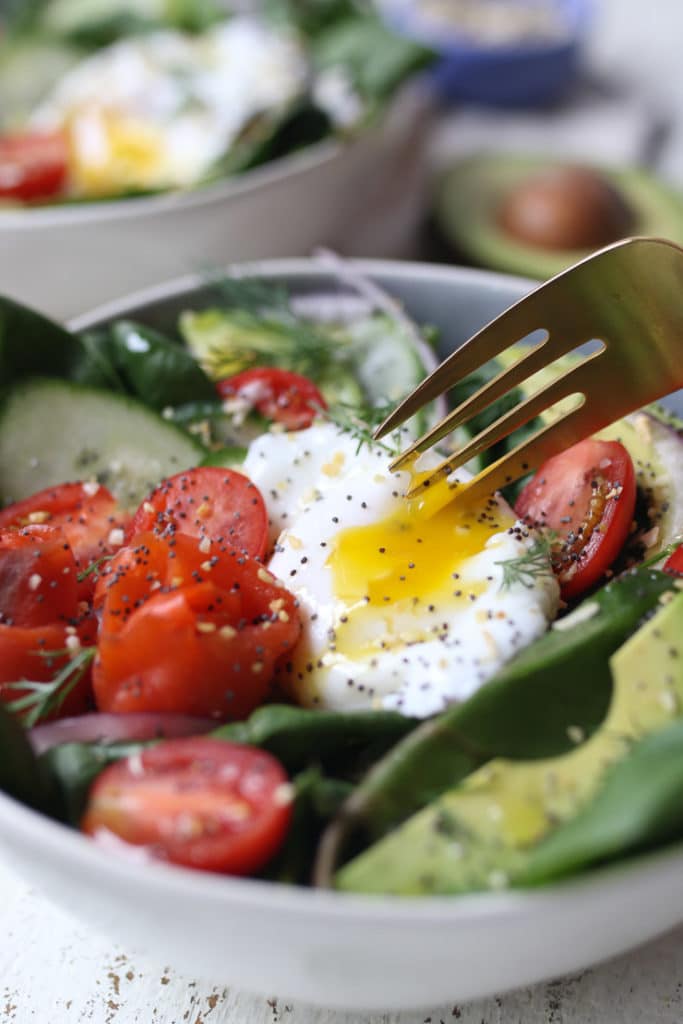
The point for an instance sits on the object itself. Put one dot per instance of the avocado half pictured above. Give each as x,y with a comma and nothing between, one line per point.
470,194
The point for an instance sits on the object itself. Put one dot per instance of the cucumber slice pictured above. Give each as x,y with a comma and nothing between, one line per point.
52,432
385,359
28,70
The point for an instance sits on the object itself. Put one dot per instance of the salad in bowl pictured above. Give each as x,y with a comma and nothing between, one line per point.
230,645
105,101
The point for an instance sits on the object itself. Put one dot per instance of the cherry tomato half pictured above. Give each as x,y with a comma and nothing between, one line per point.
37,577
29,653
189,630
587,495
279,395
674,563
32,167
202,803
208,502
88,514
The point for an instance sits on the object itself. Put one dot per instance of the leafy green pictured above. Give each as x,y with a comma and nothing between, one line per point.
73,767
159,371
310,17
95,23
375,58
31,344
316,800
21,775
299,737
274,134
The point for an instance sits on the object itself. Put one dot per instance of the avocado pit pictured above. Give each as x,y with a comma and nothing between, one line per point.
565,208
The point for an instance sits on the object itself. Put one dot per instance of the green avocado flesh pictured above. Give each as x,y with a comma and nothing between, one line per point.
469,197
486,833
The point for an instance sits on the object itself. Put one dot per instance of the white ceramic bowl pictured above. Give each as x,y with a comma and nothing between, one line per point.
364,195
331,948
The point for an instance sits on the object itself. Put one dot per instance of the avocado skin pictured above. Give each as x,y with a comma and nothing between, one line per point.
470,193
485,833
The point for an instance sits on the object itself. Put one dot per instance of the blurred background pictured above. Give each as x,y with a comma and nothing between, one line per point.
144,139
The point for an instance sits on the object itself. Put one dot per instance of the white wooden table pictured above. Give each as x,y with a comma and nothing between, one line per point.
54,971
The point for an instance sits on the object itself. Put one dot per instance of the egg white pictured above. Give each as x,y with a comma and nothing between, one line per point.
417,654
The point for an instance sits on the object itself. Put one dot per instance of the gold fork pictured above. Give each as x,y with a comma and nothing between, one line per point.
628,296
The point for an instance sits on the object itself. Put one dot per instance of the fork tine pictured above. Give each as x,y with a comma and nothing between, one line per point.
537,358
581,309
498,335
575,381
533,452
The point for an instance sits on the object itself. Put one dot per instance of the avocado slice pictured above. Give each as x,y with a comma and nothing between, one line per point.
470,194
485,833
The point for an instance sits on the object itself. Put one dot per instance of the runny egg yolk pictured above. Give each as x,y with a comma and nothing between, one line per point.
109,151
389,574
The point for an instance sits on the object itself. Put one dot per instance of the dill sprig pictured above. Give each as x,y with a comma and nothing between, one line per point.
663,554
532,565
360,423
93,567
45,697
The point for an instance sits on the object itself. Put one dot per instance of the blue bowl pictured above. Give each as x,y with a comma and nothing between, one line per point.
528,74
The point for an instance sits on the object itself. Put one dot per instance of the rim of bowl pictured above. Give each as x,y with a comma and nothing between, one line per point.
80,853
299,267
129,207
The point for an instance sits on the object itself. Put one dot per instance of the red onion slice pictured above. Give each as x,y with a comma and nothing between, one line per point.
114,728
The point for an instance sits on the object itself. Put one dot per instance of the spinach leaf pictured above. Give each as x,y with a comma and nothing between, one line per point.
273,134
21,774
376,59
33,345
299,737
73,767
158,371
310,16
316,800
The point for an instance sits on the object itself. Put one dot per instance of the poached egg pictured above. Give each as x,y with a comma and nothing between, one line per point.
403,607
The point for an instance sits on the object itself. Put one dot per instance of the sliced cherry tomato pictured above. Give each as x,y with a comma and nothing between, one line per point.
279,395
202,803
92,521
674,563
587,495
32,167
189,627
208,502
28,654
38,573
